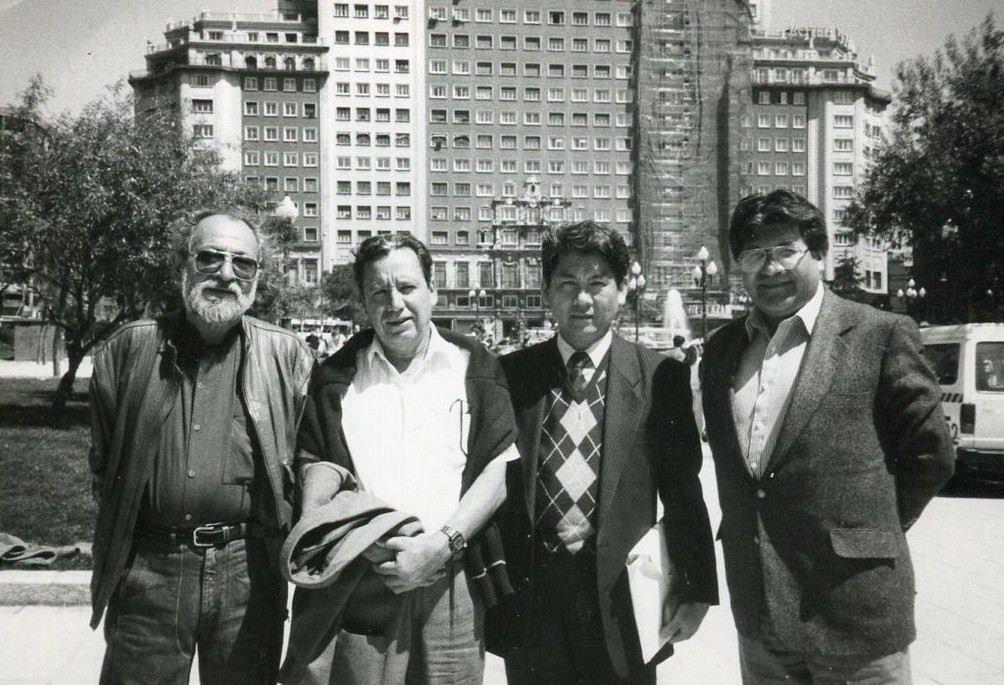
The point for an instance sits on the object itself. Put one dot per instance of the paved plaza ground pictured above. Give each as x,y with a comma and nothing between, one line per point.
958,550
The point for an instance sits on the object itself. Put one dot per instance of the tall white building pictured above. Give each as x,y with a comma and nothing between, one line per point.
817,119
372,141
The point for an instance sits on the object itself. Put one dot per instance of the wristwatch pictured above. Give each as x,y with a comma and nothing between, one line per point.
455,537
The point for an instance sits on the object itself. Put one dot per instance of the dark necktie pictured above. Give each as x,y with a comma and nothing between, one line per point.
578,365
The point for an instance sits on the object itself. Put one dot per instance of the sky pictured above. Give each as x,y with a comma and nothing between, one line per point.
83,46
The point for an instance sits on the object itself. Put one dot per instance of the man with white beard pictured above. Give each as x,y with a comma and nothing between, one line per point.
194,419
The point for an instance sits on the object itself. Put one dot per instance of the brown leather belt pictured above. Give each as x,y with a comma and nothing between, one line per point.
206,535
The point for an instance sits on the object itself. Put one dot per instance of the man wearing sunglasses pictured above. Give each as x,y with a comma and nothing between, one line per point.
828,438
193,434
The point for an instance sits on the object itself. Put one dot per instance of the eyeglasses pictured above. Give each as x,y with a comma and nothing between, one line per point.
751,261
211,261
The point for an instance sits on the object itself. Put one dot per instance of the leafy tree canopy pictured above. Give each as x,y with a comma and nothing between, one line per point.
937,183
90,201
342,294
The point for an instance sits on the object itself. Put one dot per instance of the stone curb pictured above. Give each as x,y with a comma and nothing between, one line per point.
56,588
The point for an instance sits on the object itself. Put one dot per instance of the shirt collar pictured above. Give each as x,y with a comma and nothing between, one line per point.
438,349
596,351
808,315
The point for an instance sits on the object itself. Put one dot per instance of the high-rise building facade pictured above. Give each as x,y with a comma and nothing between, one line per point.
372,139
249,85
694,81
474,125
816,122
523,102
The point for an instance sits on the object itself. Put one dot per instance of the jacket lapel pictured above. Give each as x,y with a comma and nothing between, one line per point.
543,374
819,368
716,384
623,410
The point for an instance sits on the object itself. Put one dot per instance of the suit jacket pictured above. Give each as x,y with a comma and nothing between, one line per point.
650,447
818,543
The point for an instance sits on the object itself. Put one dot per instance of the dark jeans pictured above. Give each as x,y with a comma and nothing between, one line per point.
223,601
566,644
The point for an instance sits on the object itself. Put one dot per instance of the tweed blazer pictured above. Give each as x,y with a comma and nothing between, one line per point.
818,543
650,448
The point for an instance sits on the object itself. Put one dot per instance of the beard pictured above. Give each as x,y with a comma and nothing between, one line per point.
215,308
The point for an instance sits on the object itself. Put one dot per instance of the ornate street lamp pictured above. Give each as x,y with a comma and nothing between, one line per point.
912,294
707,267
636,286
477,294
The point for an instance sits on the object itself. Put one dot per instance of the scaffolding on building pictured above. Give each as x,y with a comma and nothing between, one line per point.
694,69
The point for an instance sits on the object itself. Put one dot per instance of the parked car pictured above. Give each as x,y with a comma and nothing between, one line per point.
969,362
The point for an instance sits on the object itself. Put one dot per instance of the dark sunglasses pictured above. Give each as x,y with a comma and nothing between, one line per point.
211,261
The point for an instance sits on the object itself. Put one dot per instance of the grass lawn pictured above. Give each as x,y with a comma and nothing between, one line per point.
45,483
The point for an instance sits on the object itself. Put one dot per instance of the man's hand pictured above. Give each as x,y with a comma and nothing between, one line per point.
378,552
420,561
681,621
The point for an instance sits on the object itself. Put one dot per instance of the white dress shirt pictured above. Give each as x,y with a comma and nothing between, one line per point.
764,380
596,352
407,432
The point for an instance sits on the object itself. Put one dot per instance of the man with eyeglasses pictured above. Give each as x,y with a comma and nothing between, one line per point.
828,439
193,435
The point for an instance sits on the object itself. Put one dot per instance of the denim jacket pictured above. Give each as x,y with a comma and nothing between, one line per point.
133,380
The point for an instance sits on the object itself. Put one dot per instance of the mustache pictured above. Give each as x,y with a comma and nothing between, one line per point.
230,287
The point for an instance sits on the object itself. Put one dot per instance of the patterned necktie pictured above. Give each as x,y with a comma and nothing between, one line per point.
579,365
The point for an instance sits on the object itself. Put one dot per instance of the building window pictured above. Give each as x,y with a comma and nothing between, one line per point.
843,169
203,130
202,106
250,109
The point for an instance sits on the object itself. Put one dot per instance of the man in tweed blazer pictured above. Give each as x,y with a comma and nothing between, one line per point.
828,438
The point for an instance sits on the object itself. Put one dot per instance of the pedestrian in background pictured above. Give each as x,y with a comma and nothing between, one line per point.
826,427
194,427
676,351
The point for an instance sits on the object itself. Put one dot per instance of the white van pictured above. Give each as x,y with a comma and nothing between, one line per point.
969,362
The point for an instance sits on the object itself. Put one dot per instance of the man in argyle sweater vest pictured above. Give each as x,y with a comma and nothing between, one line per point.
605,427
569,469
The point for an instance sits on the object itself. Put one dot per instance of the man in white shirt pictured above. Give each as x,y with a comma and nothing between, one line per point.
421,419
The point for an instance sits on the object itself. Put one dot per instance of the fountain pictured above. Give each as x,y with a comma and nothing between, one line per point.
674,316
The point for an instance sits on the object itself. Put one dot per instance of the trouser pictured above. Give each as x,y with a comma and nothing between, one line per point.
766,661
566,643
224,602
427,636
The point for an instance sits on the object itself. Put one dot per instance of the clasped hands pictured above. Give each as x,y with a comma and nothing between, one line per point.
406,563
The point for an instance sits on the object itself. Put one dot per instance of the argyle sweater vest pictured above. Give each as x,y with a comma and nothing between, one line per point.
568,470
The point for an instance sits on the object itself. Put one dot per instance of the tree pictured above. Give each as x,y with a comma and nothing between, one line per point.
343,302
846,278
94,199
937,184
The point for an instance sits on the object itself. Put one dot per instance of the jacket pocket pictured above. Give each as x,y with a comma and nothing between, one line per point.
865,543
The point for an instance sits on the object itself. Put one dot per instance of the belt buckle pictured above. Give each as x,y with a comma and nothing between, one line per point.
203,529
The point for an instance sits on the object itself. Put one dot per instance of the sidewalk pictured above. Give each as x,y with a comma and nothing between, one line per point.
12,369
957,546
